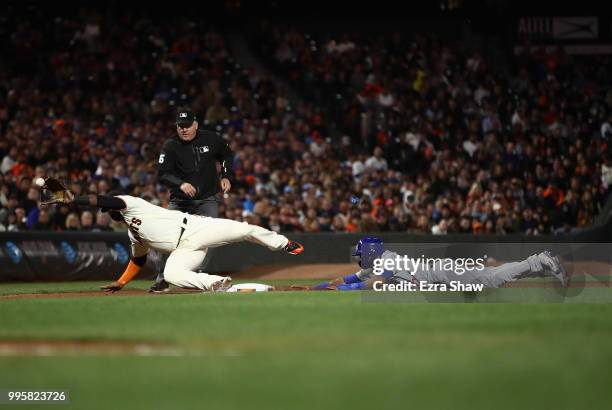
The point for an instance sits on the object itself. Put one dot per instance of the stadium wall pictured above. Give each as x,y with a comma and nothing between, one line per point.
62,256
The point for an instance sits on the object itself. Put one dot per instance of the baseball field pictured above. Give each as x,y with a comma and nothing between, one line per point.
304,350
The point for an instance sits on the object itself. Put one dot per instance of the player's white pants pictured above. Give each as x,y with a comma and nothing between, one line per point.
202,233
180,270
491,277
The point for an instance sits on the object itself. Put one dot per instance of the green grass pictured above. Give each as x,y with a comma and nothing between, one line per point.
327,350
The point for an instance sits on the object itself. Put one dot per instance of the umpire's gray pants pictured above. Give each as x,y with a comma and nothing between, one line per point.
204,207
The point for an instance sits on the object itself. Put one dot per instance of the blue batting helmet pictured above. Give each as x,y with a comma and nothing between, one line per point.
368,249
367,244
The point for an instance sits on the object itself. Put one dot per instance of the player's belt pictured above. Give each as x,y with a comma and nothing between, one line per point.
182,231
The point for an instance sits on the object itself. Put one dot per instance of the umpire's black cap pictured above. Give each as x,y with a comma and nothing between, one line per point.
184,118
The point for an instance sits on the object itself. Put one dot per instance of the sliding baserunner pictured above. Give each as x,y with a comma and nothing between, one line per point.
374,261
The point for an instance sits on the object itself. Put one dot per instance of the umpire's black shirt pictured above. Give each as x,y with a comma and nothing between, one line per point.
195,162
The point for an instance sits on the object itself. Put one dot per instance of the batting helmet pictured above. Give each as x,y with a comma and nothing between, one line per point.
368,249
369,242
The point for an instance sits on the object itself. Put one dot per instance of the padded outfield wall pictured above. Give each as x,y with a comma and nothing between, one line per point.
61,256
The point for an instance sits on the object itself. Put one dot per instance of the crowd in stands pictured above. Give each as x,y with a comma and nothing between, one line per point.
434,138
519,144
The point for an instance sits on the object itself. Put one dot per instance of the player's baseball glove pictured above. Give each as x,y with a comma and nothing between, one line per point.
54,192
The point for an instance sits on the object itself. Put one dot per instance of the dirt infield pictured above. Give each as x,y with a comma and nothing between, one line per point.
282,288
310,271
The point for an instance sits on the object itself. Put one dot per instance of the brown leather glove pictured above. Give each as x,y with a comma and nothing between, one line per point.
54,192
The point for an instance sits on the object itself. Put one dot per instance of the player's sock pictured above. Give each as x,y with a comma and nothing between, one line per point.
352,286
353,278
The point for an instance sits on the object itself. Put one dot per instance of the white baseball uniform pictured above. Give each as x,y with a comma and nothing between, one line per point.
187,238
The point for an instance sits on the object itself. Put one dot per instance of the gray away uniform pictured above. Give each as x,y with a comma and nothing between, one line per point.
490,277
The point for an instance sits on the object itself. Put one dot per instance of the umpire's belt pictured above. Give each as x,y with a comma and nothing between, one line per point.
194,202
188,202
182,231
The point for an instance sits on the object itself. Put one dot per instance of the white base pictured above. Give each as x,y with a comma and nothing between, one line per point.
250,287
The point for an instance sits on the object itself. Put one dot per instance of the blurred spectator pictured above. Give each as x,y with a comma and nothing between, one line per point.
44,221
9,160
441,228
103,222
72,222
87,221
19,223
376,162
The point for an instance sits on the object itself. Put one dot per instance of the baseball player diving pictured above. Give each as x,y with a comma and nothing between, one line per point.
371,256
185,237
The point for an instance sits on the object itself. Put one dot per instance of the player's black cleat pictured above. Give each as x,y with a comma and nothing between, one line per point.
294,247
160,287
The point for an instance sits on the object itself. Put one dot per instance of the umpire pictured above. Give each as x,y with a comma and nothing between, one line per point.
188,167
